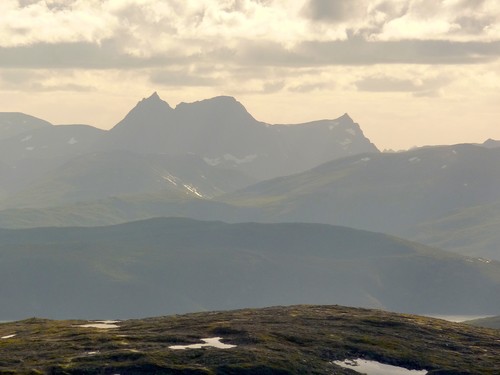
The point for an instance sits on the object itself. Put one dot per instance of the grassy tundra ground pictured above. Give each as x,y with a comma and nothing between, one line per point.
276,340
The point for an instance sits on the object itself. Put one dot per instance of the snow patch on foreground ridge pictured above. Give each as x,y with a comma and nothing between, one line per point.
376,368
213,342
8,337
102,324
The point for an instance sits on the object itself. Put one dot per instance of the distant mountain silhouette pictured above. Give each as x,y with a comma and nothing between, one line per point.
222,132
234,149
491,143
13,123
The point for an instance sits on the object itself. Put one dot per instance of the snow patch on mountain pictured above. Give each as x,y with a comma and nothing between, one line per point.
172,179
212,162
246,159
346,142
193,190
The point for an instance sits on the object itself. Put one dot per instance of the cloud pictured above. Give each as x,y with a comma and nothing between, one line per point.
181,77
333,10
357,51
28,22
417,86
309,87
41,81
458,20
84,55
123,34
254,46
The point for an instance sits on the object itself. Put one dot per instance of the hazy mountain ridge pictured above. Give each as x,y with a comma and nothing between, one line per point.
444,196
100,175
173,265
218,131
14,123
470,231
397,193
163,161
222,132
490,322
491,143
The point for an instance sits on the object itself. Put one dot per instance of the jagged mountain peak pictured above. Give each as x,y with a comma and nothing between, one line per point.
149,110
346,116
153,100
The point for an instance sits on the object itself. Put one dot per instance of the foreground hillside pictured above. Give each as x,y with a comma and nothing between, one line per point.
166,266
277,340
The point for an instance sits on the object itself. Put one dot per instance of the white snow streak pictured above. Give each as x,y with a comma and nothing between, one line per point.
213,342
376,368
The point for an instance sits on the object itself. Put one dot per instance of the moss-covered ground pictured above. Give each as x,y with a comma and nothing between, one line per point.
277,340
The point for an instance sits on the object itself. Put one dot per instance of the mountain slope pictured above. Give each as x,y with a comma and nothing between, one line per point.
42,159
61,141
177,265
491,322
470,231
14,123
222,132
126,208
392,193
34,153
100,175
491,143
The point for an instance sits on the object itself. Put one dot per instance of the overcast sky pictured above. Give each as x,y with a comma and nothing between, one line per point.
410,72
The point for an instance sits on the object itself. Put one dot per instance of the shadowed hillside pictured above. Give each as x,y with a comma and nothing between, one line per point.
179,265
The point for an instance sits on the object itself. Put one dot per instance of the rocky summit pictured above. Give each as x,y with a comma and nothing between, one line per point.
303,339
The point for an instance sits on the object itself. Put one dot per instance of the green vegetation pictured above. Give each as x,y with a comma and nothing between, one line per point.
278,340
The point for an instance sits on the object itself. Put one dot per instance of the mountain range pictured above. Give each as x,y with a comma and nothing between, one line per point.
443,196
257,215
218,133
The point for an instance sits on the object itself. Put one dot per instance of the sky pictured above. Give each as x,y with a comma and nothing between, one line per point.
410,72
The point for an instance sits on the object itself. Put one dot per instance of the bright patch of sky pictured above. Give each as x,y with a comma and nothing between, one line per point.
411,72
